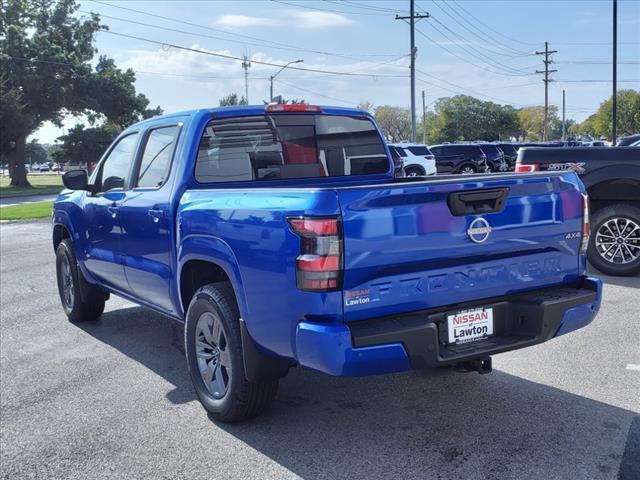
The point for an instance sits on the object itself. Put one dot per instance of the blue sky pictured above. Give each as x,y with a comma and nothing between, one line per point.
481,48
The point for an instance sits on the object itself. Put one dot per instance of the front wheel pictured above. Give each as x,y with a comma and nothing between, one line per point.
78,309
213,347
614,245
468,170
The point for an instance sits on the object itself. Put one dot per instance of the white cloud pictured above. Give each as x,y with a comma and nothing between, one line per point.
315,19
242,21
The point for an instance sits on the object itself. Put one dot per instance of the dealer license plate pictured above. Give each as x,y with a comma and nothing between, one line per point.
469,325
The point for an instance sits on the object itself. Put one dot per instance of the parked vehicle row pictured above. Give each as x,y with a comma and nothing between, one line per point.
417,159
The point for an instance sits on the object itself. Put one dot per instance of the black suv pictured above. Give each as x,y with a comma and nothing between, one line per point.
510,154
459,158
495,157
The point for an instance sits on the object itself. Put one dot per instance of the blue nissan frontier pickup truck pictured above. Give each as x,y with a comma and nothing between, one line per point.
280,237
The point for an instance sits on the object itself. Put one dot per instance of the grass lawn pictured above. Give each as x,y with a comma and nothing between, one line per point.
39,184
26,211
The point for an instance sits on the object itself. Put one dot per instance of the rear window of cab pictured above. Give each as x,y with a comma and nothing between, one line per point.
285,146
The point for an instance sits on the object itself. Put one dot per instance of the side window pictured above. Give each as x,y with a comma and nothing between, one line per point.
115,168
436,151
156,159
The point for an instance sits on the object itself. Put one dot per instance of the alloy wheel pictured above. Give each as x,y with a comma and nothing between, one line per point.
618,240
213,354
68,293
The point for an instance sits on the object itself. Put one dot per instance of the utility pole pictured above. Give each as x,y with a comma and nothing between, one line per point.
424,120
547,61
411,20
563,109
614,126
246,64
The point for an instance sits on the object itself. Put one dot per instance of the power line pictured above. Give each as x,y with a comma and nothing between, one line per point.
329,10
466,60
484,37
142,72
480,55
597,62
347,102
233,57
489,26
276,45
465,89
598,81
365,6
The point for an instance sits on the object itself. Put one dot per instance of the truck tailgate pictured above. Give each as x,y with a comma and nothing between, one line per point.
414,246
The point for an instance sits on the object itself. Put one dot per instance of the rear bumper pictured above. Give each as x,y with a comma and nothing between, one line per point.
418,340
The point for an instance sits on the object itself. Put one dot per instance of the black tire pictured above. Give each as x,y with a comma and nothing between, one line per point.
596,252
413,172
242,399
469,167
68,275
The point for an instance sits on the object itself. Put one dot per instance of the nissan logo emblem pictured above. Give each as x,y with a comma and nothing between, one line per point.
479,230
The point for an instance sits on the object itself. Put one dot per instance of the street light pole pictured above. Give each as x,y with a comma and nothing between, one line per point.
277,73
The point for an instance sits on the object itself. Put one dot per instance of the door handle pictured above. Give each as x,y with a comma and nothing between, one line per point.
113,210
156,214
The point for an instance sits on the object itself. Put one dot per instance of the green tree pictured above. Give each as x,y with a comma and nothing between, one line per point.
366,105
532,122
44,59
232,99
44,49
35,153
110,94
85,145
395,122
463,117
628,115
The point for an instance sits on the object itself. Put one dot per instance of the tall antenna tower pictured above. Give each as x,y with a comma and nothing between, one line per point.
246,65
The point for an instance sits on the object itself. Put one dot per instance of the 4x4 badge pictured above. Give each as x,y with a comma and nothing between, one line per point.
479,230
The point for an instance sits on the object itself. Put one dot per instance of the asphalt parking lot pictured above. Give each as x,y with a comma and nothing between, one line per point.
112,399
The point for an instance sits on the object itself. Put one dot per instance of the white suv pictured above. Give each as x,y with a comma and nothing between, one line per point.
417,159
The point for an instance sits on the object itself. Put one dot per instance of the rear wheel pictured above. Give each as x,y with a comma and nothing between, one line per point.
213,347
614,245
467,170
69,278
413,172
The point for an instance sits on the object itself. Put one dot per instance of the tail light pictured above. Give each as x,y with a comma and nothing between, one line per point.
295,107
586,229
527,167
319,265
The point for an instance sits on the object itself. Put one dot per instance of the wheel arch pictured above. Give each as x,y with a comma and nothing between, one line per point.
415,166
204,259
619,189
62,228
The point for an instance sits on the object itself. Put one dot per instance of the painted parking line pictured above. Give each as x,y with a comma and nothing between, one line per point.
631,366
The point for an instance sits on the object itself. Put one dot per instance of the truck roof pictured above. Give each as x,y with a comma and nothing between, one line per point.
247,110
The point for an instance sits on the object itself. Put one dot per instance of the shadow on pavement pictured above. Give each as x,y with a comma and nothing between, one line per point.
410,425
631,282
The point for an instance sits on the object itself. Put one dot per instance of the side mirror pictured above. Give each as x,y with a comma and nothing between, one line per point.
76,180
